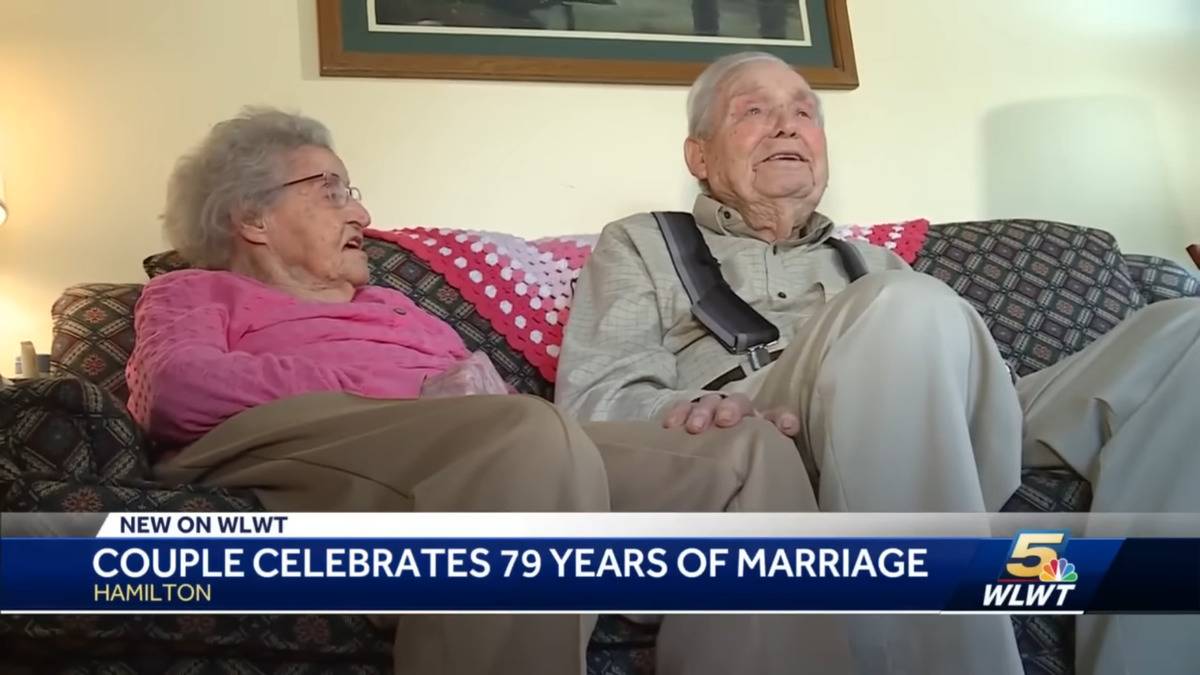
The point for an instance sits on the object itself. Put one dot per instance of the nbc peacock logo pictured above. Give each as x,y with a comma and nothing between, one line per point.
1060,570
1035,574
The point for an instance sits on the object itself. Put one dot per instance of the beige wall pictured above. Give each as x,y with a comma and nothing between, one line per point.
1081,110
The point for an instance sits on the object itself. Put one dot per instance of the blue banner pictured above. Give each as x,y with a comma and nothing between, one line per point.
1042,571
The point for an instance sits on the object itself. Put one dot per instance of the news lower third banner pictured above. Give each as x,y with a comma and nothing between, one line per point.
602,563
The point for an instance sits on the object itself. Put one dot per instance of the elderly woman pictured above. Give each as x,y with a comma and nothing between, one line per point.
274,366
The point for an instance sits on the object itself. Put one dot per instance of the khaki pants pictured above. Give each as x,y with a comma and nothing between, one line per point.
1125,414
337,452
906,405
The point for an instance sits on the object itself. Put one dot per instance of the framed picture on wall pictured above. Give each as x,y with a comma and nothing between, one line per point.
616,41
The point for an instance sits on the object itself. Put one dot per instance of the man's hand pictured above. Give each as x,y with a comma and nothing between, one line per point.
472,376
725,410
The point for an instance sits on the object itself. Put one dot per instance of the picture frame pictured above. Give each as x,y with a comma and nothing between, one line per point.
579,40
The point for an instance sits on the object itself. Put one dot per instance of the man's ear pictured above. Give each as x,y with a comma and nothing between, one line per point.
693,155
250,226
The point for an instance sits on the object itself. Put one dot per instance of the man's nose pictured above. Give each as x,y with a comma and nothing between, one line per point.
786,124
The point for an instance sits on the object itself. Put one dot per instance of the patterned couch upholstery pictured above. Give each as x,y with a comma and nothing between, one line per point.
67,444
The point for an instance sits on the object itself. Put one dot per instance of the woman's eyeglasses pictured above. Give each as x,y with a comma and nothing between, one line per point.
337,190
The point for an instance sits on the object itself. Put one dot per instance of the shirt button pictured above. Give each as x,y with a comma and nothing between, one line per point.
782,295
726,213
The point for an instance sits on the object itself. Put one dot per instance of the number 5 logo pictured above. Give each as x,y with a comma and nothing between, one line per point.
1042,546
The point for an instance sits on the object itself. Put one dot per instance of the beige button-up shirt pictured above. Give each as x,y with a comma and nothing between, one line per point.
632,346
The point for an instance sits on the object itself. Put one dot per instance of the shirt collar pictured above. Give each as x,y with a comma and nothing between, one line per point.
715,216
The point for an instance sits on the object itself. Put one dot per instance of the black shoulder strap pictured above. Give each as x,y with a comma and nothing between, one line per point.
730,319
852,260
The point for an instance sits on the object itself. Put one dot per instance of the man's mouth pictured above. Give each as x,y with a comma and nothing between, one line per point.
785,157
355,244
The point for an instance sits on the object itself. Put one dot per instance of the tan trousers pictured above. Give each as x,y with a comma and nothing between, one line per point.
906,405
1125,414
337,452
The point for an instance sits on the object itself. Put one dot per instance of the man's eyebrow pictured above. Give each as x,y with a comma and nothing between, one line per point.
806,95
750,90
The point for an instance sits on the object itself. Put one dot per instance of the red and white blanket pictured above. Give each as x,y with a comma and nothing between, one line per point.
524,286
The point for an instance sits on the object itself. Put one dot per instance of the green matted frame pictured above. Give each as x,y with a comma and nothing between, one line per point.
349,48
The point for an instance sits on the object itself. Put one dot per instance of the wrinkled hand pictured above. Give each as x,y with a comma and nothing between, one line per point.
726,410
473,376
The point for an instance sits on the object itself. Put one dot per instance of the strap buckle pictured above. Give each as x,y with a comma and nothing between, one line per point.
759,357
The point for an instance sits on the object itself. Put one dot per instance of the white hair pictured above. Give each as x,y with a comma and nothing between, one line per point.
234,169
702,96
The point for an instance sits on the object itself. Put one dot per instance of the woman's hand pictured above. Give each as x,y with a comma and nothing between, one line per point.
725,410
473,376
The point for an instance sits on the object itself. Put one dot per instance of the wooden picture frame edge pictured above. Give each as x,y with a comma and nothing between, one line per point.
337,62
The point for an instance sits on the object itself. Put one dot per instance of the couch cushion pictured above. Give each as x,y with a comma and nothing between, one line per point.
1050,491
1045,289
621,647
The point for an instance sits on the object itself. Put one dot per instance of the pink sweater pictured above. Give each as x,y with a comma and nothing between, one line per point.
212,344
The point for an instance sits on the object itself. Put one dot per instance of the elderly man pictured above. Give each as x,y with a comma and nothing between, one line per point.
275,367
891,386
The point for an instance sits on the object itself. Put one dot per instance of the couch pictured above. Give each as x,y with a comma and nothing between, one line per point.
67,444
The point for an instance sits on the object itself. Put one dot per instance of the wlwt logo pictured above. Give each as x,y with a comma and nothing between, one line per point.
1036,576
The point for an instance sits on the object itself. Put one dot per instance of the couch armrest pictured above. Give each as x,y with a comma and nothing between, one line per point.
1162,279
68,427
93,334
67,444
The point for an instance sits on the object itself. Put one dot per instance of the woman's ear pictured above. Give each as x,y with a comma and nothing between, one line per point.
250,226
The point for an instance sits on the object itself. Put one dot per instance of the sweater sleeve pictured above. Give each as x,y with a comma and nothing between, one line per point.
183,377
